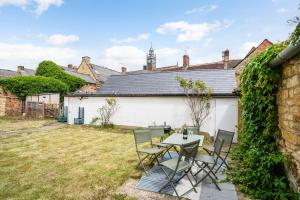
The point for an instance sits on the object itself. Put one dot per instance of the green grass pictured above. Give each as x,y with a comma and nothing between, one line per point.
19,123
73,162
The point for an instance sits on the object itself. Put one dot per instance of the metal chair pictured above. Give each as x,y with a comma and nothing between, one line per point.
158,132
144,137
80,119
193,130
227,136
181,166
208,164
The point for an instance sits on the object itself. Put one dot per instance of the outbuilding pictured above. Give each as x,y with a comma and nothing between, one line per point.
154,98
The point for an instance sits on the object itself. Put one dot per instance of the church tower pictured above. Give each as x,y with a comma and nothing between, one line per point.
151,60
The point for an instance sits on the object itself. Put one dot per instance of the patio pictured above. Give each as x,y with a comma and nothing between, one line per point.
156,178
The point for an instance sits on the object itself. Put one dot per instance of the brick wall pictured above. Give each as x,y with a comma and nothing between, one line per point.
10,104
288,100
89,88
240,67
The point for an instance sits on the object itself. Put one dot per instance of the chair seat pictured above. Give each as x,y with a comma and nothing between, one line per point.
161,145
205,158
153,150
171,164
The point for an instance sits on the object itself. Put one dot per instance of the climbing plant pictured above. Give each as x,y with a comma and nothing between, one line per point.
258,166
23,86
51,69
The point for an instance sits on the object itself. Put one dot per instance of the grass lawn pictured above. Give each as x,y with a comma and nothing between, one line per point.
19,123
73,162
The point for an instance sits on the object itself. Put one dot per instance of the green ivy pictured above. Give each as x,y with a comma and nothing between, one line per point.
51,69
258,165
23,86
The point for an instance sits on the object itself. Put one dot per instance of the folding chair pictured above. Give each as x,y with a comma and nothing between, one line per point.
193,130
143,137
227,136
158,132
208,164
181,166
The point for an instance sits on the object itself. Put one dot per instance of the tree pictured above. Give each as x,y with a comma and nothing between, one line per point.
23,86
198,99
106,112
51,69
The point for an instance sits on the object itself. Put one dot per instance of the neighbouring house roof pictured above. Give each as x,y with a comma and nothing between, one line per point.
74,72
27,71
165,84
4,73
103,73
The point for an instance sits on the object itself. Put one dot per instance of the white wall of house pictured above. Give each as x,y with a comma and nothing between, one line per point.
145,111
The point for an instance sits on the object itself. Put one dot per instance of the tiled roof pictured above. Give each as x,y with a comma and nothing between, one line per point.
163,84
27,71
4,73
103,73
85,77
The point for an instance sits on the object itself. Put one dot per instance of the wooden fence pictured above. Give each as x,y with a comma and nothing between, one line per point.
41,110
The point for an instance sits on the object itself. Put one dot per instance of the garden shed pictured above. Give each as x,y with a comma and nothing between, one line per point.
154,98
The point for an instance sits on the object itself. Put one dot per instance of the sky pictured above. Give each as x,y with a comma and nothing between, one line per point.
116,33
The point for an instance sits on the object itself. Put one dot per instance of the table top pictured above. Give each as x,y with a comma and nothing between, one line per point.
177,139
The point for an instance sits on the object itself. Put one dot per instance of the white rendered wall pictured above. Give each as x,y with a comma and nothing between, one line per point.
145,111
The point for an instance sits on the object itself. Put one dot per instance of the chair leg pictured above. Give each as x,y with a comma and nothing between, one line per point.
142,164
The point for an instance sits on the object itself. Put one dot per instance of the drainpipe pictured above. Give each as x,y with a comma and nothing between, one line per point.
285,55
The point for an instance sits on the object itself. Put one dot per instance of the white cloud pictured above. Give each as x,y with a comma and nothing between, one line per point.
140,37
207,8
60,40
43,5
19,3
123,55
12,55
39,6
282,10
189,32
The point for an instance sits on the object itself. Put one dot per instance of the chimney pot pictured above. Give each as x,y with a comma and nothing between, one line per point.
186,61
123,70
70,66
86,59
20,68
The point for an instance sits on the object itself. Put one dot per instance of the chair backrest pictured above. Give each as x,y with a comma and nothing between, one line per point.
227,136
189,150
193,129
142,136
156,131
81,112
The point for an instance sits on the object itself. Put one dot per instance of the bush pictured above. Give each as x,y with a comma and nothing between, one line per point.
51,69
258,165
23,86
105,113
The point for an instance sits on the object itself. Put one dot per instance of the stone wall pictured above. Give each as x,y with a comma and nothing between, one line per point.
288,100
10,104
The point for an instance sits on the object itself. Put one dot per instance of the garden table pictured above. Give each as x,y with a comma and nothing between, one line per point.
177,139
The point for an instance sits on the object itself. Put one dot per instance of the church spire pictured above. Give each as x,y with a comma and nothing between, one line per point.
151,59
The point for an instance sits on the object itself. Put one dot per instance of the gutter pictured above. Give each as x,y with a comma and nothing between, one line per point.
229,95
285,55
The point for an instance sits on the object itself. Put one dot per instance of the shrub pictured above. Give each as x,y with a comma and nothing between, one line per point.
106,112
51,69
23,86
258,165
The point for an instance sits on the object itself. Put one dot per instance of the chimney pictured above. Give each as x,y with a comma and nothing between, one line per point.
225,56
186,61
20,68
70,66
123,70
86,59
